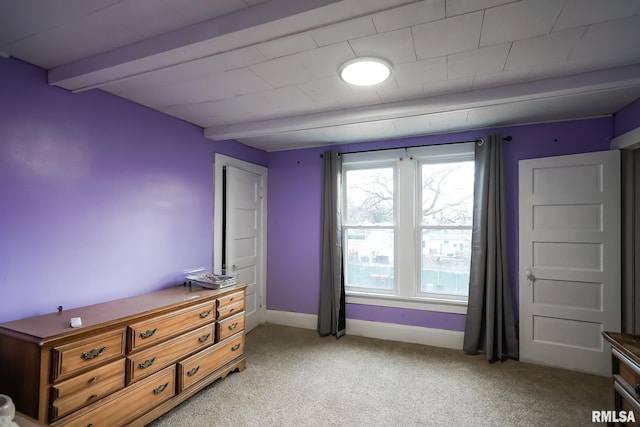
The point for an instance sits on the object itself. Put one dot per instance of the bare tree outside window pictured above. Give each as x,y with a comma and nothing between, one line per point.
447,193
370,196
447,216
369,228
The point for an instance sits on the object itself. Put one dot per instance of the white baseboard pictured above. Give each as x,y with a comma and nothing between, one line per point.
290,318
379,330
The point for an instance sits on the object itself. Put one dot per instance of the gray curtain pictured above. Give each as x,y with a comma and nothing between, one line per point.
490,326
331,315
630,241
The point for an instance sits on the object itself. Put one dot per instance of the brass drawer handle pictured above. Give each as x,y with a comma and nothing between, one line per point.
93,396
160,389
93,353
193,371
147,363
94,380
205,314
204,338
149,333
235,347
233,326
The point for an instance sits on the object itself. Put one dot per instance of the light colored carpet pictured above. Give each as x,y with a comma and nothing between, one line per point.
296,378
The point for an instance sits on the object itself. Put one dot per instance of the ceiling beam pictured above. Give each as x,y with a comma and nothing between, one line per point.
180,45
628,76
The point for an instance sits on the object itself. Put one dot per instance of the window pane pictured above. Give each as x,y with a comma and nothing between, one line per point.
369,196
447,193
446,258
369,258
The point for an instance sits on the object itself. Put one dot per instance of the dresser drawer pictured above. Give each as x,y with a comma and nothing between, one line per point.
229,326
68,395
123,406
66,405
230,299
230,309
152,330
198,366
148,361
628,374
77,356
88,380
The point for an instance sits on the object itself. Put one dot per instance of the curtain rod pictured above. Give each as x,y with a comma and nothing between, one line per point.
506,138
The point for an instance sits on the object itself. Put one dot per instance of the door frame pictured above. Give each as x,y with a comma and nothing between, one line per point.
220,161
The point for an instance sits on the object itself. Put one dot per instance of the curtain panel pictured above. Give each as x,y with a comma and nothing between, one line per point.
331,314
490,326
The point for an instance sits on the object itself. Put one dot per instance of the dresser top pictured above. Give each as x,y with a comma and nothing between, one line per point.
627,344
51,326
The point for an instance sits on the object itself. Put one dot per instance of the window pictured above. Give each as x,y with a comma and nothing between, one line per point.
370,227
407,219
445,228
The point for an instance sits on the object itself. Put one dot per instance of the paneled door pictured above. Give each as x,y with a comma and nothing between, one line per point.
240,229
569,268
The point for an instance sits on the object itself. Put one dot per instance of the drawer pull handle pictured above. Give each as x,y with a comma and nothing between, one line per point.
160,389
147,363
88,355
204,338
233,326
149,333
193,371
235,347
94,380
637,390
93,396
205,314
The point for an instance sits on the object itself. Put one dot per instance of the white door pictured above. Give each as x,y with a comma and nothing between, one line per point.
240,222
569,268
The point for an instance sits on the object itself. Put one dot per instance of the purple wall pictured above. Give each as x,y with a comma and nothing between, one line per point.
100,198
295,206
627,119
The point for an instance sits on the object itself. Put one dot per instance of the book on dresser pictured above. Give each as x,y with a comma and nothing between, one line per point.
132,360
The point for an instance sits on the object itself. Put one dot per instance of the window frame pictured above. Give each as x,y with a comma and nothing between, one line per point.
407,258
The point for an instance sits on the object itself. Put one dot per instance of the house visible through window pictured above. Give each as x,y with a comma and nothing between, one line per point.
407,219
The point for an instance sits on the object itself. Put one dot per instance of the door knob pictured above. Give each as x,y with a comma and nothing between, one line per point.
529,275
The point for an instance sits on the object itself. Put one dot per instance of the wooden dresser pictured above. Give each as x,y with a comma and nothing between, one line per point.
625,364
131,361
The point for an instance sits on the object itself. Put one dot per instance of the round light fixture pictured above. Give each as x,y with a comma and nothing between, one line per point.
365,71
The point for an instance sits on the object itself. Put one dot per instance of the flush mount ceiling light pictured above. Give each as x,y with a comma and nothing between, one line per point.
365,71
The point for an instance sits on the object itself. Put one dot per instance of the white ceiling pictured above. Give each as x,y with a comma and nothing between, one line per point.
265,72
